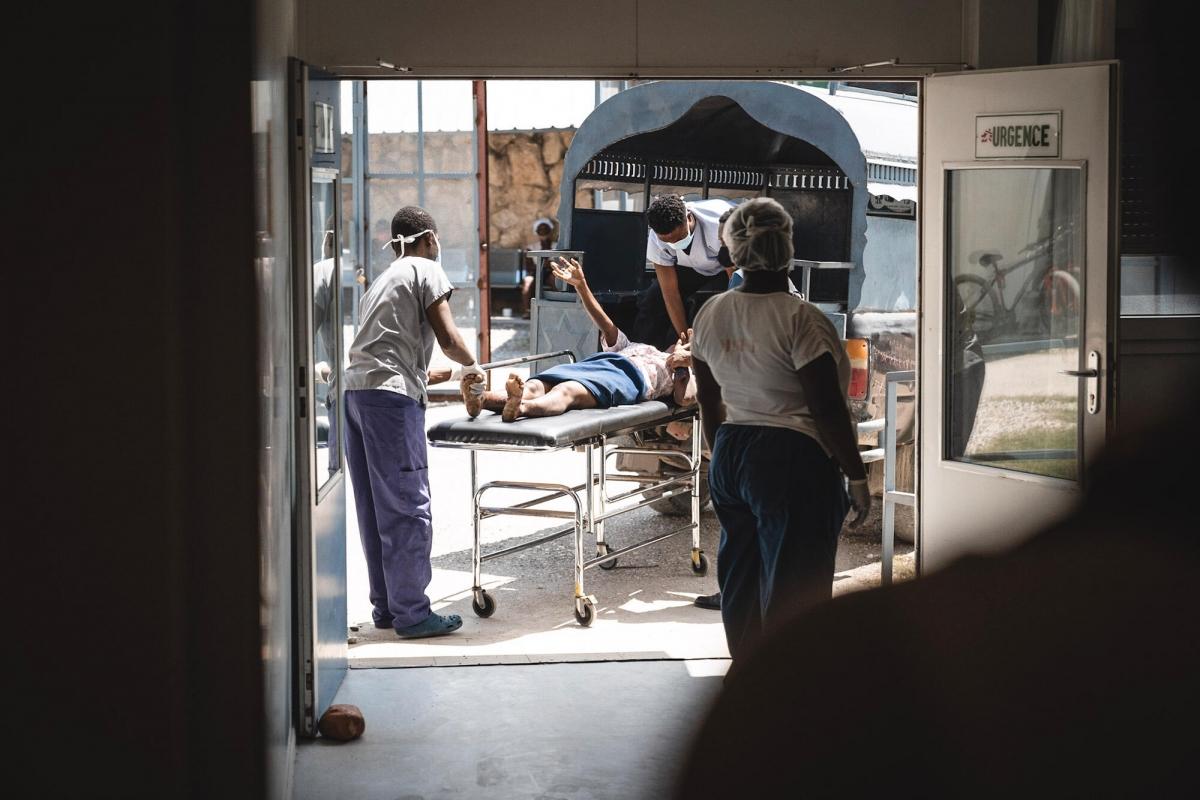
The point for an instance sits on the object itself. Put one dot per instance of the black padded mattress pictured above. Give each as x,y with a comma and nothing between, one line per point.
549,433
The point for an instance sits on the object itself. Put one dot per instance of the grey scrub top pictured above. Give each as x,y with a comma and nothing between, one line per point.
395,340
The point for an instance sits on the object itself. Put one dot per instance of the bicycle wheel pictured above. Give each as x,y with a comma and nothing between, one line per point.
1060,305
980,306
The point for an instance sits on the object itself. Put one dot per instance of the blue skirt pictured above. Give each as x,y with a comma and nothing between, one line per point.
611,378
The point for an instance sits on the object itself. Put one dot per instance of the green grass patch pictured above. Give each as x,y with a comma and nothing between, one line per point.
1017,442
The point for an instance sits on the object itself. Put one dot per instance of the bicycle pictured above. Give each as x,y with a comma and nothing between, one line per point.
983,297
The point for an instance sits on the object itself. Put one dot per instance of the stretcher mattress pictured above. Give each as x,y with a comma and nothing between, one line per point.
549,433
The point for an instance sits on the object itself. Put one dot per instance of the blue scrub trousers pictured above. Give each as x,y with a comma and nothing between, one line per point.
781,503
389,466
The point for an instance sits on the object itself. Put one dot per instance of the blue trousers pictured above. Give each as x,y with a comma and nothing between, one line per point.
389,466
781,503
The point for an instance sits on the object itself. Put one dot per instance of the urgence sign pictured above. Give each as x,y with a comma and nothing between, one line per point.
1018,135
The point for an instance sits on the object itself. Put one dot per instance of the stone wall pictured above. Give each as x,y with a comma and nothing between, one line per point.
524,173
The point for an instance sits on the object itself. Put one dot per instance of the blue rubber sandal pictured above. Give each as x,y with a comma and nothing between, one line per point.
433,625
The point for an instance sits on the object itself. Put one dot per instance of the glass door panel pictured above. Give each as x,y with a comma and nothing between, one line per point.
326,316
1014,253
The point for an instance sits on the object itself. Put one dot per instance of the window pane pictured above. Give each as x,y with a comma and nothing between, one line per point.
325,320
448,121
350,259
1015,256
1158,285
451,201
386,196
392,126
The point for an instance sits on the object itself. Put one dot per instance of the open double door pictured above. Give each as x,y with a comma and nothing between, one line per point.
1018,299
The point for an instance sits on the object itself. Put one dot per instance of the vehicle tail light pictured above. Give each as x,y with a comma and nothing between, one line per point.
859,353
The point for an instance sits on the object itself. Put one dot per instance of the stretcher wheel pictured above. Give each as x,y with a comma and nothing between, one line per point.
700,566
488,606
585,613
604,548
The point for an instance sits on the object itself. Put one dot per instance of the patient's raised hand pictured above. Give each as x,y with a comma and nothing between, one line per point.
570,273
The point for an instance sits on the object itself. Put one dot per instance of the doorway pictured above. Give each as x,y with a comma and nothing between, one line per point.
405,135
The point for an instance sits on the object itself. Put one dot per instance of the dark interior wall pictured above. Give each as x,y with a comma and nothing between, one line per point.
1157,154
134,549
275,41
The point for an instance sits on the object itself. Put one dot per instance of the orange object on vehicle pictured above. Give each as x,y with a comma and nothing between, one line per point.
859,352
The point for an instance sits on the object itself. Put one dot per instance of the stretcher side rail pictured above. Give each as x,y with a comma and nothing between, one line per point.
512,362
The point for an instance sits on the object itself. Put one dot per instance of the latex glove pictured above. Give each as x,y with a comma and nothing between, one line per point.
860,502
469,369
475,388
680,358
322,371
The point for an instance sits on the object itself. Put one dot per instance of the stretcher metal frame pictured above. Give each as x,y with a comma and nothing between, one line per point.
593,505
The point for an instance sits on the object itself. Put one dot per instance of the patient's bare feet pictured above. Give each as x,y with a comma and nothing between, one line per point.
473,400
516,392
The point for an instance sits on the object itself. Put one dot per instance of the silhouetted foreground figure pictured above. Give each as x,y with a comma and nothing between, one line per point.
1067,666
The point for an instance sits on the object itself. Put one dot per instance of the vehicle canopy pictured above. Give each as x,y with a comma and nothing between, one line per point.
707,139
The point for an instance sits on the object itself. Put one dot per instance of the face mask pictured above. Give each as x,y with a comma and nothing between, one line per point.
684,243
403,240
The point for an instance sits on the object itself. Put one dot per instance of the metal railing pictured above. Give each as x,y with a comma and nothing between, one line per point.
887,454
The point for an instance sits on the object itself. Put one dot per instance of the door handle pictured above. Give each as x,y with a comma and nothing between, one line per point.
1092,375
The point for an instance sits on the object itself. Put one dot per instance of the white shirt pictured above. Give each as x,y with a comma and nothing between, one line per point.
754,344
650,360
706,241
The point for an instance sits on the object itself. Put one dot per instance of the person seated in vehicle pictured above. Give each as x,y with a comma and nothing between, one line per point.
623,373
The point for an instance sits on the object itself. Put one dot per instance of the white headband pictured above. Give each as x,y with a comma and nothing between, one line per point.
403,240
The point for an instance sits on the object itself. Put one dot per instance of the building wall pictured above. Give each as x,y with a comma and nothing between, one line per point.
617,37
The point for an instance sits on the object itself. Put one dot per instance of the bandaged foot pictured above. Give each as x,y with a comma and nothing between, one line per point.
516,393
472,393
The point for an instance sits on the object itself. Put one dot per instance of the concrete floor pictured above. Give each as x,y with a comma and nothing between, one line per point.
544,732
513,724
644,605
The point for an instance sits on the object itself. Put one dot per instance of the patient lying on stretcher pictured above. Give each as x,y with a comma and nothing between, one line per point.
623,373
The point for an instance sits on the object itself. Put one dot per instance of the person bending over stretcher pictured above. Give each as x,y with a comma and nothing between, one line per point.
623,373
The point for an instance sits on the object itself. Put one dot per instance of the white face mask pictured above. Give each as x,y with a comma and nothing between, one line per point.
684,243
403,240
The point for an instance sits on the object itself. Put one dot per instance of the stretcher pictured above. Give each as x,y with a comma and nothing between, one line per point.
590,431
